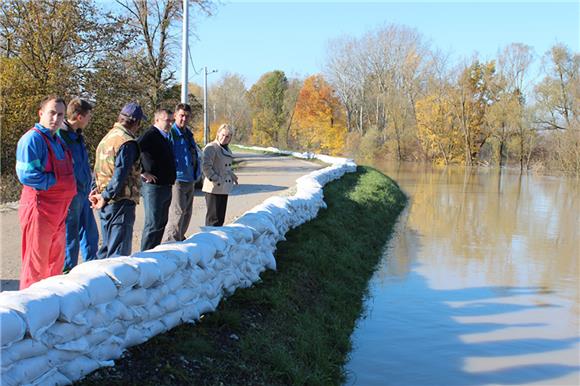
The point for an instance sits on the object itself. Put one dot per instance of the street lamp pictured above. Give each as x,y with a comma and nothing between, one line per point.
184,48
205,122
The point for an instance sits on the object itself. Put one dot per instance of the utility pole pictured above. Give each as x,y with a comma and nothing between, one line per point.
205,120
184,51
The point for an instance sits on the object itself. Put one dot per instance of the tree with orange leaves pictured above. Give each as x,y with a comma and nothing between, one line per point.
319,119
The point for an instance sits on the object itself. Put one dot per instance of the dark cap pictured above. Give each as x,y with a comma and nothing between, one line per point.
133,110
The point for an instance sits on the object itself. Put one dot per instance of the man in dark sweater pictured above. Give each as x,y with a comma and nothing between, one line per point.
158,174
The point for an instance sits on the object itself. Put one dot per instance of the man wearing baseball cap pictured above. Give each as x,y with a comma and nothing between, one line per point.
118,182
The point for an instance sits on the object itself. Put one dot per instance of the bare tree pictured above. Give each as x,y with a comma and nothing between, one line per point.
559,92
153,20
229,96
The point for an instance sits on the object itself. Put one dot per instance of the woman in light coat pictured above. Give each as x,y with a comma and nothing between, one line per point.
219,178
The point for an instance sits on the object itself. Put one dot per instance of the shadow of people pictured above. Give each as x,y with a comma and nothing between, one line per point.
255,188
9,285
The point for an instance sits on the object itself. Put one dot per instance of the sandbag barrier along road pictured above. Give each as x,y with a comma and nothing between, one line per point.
62,328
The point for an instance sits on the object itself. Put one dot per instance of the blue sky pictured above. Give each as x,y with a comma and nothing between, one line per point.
251,38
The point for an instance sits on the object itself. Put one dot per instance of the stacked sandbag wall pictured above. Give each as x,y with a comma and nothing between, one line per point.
62,328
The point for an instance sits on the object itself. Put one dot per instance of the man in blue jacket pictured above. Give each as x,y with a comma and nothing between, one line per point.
188,168
81,227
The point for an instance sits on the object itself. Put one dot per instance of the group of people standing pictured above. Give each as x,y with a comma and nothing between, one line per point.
60,190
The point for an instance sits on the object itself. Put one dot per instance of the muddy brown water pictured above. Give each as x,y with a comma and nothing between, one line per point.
478,286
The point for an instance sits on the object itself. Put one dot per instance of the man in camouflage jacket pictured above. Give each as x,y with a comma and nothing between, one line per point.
118,181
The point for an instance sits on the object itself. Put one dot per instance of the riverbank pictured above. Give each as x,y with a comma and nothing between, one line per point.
294,327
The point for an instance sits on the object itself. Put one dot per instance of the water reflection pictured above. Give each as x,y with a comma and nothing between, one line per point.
479,285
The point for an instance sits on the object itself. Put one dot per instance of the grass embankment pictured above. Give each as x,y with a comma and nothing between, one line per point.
294,327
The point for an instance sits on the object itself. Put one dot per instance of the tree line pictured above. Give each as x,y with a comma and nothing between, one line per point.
385,94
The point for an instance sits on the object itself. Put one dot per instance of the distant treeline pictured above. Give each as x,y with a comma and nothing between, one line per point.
386,94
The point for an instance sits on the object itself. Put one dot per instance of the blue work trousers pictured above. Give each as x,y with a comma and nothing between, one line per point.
117,220
81,232
156,201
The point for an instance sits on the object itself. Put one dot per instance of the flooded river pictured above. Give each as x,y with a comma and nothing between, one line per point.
479,285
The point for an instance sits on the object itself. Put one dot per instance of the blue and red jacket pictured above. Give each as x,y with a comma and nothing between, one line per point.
32,155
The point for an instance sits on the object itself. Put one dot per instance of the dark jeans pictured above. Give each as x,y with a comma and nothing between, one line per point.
117,220
156,201
81,231
216,209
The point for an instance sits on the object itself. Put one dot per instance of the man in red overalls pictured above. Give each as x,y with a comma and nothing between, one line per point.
44,167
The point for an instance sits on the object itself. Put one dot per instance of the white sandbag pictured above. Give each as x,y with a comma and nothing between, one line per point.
222,263
175,251
99,285
110,349
73,297
169,303
81,366
167,265
240,232
154,294
190,313
186,295
12,327
230,282
62,332
198,276
124,275
96,316
155,327
57,357
209,238
211,289
156,311
116,328
267,259
39,308
204,306
117,310
135,297
140,313
24,371
149,271
261,222
135,335
53,377
197,252
26,348
172,319
176,281
215,301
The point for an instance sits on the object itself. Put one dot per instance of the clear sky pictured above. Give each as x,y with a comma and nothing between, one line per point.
251,38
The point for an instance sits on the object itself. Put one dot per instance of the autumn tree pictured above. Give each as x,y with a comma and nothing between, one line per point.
319,123
438,129
47,47
476,91
266,98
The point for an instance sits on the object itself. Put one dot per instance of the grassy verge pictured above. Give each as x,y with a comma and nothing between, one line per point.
294,327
